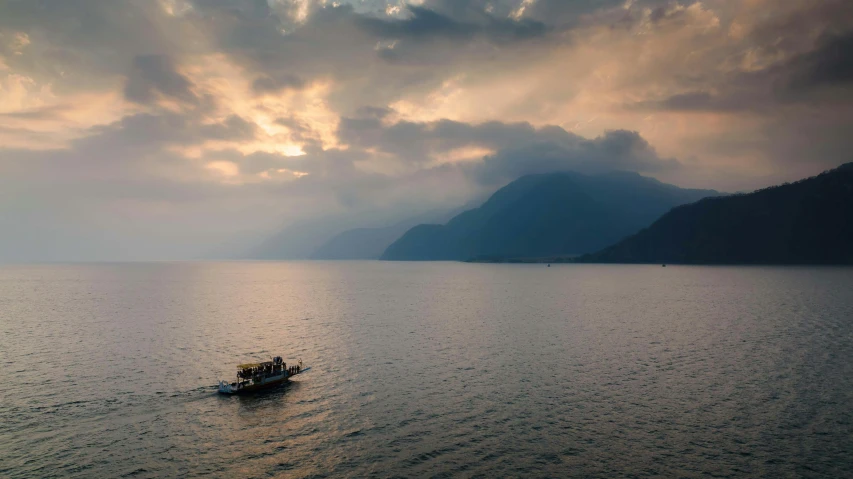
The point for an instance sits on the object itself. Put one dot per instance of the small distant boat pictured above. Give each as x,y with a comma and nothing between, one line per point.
663,266
253,377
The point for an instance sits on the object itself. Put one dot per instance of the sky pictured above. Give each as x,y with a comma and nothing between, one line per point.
162,129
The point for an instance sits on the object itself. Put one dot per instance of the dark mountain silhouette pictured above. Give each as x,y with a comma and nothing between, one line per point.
807,222
546,215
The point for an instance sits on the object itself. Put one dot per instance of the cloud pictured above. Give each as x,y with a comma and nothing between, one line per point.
157,131
157,126
829,64
252,9
267,84
153,74
515,149
84,45
425,24
798,79
774,60
38,113
614,151
135,168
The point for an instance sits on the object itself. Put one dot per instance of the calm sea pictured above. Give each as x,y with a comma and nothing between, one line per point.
427,370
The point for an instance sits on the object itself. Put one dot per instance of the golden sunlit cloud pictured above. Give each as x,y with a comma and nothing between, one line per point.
52,121
294,173
462,155
231,85
519,12
225,168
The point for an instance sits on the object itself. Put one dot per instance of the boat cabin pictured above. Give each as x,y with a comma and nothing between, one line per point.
251,376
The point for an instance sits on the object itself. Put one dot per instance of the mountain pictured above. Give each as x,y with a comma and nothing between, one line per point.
546,215
344,236
370,243
807,222
358,243
300,239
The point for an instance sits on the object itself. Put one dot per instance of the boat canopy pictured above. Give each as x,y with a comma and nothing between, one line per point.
253,365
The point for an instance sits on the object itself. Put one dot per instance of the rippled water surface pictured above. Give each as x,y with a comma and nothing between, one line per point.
427,369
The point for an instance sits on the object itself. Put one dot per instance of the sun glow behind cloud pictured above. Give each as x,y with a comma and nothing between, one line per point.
307,114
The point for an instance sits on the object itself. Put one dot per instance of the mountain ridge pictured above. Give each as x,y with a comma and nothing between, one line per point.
371,242
806,222
546,214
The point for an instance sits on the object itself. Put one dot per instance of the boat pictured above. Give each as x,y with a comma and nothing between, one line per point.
253,377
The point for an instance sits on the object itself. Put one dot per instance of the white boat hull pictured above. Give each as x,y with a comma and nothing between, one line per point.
244,387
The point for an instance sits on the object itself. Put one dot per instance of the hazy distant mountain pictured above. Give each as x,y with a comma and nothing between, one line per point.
808,222
370,243
342,236
359,243
545,215
298,240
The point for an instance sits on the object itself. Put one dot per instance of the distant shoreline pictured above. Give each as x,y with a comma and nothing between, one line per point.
518,260
578,259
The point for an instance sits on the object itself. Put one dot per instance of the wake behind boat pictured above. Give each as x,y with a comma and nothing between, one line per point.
257,376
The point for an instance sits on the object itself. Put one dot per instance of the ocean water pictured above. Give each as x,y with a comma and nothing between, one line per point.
427,370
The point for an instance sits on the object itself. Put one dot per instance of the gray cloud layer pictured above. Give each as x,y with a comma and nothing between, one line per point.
390,107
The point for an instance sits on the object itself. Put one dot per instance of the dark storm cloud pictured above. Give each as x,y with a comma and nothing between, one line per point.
787,58
799,79
830,64
426,24
152,74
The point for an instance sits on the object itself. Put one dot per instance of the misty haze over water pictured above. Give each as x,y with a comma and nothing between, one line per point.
427,369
